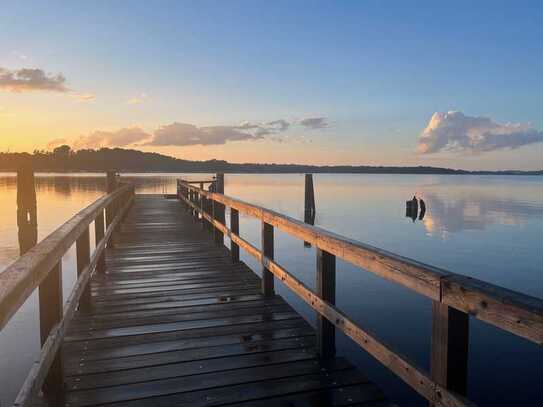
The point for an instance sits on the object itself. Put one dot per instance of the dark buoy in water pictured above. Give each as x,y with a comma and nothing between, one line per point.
412,208
422,209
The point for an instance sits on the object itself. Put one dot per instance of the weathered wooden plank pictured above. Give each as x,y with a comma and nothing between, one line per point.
186,368
509,310
181,387
82,366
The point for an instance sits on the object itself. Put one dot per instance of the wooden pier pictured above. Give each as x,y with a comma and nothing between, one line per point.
173,321
163,314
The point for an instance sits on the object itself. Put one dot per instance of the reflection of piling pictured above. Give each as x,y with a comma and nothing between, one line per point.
309,206
27,217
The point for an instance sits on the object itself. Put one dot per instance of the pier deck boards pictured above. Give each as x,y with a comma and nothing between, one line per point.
174,322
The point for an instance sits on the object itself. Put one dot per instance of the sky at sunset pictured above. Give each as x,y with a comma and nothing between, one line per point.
454,84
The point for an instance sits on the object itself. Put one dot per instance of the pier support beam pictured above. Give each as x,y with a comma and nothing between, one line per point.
267,251
326,289
234,227
218,210
450,347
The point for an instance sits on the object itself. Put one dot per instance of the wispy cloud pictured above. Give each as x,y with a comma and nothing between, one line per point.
186,134
138,99
454,131
56,143
315,122
119,138
31,79
84,97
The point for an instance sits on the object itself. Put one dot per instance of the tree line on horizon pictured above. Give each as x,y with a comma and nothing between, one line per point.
64,159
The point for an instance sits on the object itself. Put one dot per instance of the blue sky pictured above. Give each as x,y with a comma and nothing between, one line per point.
375,71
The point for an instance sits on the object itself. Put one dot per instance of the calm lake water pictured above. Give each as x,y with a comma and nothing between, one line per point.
489,227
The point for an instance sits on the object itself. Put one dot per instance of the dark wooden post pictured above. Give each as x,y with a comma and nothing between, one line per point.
82,248
450,347
234,228
27,214
50,309
218,210
99,232
309,203
326,289
111,210
201,205
267,251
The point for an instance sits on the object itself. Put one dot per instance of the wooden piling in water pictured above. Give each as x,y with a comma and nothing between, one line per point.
27,213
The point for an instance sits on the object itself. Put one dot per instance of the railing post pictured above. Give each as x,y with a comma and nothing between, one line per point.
111,209
234,228
326,289
201,204
267,251
99,233
50,309
450,347
218,210
82,248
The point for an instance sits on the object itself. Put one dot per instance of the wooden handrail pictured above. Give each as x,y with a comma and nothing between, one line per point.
22,277
453,296
41,267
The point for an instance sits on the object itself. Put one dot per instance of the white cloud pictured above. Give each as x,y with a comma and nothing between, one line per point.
120,138
31,79
454,131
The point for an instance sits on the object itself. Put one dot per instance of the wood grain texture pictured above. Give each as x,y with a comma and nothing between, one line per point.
174,321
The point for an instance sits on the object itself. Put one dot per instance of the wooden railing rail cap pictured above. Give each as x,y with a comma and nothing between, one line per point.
22,277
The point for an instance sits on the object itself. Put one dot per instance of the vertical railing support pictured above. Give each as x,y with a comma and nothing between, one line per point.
201,205
50,309
267,251
99,233
234,228
326,289
111,209
82,248
450,346
218,210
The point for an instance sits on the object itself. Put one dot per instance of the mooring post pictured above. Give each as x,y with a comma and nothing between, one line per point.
267,251
309,203
326,289
218,210
234,228
450,347
27,213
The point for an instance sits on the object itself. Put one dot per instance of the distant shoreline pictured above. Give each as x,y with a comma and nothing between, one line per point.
133,161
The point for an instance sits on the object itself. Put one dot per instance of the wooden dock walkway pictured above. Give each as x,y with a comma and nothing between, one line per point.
174,322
